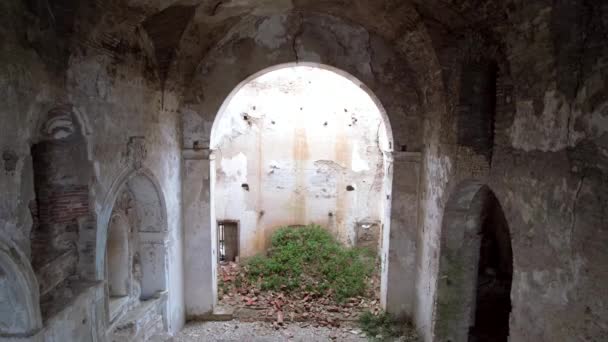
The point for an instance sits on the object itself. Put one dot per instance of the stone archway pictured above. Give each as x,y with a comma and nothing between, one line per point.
475,268
399,247
311,144
369,58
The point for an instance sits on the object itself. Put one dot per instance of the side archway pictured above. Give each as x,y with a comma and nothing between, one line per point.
475,268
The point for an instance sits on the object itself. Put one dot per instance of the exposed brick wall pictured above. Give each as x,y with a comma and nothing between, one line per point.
62,204
505,109
477,107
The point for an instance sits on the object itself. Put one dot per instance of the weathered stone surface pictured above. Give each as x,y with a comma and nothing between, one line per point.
162,69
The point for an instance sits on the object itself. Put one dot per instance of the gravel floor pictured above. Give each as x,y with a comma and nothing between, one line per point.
265,332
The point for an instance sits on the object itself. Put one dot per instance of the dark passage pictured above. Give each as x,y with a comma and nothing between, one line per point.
495,273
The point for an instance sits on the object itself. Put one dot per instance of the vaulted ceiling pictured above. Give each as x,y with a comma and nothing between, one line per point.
182,31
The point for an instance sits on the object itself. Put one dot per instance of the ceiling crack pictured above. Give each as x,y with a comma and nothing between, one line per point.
586,21
338,41
296,36
216,8
370,52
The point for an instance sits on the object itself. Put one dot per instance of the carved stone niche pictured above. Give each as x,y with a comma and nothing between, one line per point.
60,123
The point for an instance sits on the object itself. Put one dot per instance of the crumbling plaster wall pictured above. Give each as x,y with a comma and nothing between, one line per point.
257,43
289,145
114,93
549,153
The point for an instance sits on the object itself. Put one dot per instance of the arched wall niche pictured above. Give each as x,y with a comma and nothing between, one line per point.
482,103
62,215
475,251
60,120
134,209
477,107
20,316
149,206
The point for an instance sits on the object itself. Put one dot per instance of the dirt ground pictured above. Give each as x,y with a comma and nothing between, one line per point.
266,332
249,304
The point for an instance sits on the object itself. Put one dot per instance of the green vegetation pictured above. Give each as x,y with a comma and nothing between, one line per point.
309,258
384,327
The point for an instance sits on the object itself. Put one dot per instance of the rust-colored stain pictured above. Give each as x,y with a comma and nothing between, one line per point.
300,145
260,233
301,156
298,212
343,154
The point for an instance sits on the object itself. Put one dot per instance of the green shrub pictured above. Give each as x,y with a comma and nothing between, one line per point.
385,327
379,327
310,258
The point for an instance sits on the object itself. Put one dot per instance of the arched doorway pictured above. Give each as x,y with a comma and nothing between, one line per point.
327,160
296,145
476,268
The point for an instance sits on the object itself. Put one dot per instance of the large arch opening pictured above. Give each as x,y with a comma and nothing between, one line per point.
476,268
300,144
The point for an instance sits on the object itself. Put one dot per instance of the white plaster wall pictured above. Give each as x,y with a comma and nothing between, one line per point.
200,283
297,137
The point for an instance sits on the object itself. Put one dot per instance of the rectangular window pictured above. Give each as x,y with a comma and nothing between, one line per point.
228,241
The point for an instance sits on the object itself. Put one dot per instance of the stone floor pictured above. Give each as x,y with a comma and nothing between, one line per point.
265,332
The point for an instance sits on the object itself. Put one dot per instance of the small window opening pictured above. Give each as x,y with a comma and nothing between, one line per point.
228,241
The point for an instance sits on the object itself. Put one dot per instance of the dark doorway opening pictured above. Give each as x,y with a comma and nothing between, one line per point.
495,274
228,241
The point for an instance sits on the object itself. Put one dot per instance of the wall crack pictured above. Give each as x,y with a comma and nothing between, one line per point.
370,52
573,219
296,36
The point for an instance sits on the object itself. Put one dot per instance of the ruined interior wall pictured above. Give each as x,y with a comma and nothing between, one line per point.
549,172
549,153
133,125
300,146
108,90
257,43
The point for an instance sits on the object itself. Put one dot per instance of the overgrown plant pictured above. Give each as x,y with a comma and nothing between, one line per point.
309,258
384,327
